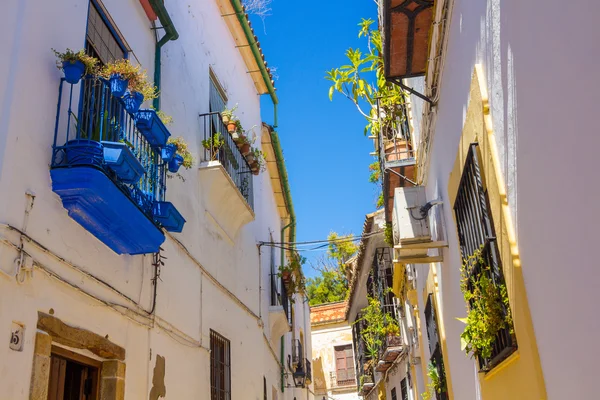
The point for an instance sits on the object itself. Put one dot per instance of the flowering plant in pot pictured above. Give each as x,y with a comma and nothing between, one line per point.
119,73
259,164
182,156
228,114
140,90
75,64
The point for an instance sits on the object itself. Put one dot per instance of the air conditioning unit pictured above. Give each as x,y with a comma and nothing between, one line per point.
412,236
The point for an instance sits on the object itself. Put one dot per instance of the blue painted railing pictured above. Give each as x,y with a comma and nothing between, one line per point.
89,112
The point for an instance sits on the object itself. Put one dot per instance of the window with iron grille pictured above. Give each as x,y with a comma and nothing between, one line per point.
220,367
344,365
394,396
476,234
436,359
404,389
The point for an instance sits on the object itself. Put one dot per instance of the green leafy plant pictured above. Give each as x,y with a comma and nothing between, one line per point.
91,63
380,200
488,307
363,82
260,159
293,276
388,233
376,326
436,384
183,151
213,145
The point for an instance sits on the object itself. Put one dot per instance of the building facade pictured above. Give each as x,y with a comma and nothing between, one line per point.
103,293
479,210
334,371
383,331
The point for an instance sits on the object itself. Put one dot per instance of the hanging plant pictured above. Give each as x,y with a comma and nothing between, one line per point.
377,326
292,275
436,384
489,310
75,64
388,234
183,151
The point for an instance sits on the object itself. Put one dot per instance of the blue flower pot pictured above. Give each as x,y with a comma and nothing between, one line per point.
122,161
118,85
168,151
84,152
167,215
150,125
73,71
133,101
175,163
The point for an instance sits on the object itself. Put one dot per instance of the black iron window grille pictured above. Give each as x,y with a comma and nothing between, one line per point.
404,389
279,294
220,367
476,233
436,359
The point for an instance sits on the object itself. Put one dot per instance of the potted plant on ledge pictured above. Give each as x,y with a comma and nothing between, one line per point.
213,145
75,64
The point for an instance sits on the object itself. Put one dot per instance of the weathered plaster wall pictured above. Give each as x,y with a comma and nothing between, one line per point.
324,339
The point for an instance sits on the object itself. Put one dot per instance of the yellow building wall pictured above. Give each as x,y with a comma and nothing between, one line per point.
520,376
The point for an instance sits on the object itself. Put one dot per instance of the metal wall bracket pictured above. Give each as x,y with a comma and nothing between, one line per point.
411,90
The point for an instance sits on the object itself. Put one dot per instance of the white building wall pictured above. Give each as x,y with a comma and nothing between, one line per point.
533,56
208,281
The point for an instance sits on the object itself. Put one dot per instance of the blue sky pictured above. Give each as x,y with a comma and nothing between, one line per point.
326,152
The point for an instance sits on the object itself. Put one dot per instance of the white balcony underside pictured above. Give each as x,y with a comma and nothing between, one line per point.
224,203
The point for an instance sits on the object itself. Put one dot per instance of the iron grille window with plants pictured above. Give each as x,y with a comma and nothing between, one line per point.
489,333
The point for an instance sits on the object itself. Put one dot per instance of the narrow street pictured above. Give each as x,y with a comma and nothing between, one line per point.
276,200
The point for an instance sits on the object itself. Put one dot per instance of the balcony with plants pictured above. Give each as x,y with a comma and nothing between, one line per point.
228,165
110,159
280,312
394,149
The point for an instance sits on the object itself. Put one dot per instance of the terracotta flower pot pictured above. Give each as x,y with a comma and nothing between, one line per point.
400,150
231,127
245,149
225,119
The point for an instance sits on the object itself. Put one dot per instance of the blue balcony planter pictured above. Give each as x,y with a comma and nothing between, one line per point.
105,211
168,151
167,215
73,71
118,85
133,101
150,125
175,163
84,152
122,161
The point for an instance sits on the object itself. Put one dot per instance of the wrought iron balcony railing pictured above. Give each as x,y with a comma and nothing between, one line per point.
229,155
100,117
110,176
279,296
